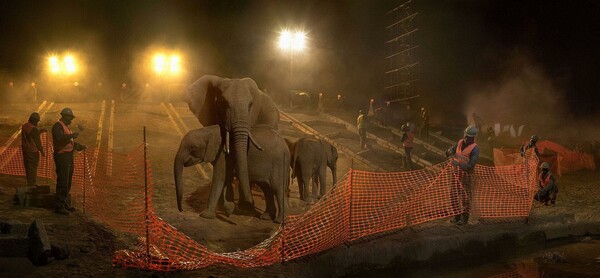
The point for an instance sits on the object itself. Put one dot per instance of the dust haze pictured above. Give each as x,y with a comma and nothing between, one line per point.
525,95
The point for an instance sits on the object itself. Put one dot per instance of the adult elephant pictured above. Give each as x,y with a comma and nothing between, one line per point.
268,168
235,105
310,158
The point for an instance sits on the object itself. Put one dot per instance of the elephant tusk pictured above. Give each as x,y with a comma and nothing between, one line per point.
254,141
227,142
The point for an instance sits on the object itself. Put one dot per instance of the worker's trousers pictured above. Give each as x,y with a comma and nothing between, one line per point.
64,176
30,162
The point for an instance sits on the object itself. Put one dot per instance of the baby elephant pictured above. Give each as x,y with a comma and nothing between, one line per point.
268,168
310,158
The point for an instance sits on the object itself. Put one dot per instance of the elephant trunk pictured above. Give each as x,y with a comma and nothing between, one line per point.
177,173
241,131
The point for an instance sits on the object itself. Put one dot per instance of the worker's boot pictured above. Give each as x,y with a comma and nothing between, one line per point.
70,208
456,219
61,210
465,218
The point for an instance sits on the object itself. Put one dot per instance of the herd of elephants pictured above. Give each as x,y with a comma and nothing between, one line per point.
240,139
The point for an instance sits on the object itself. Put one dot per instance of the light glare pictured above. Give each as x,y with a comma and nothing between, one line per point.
167,64
292,41
54,64
174,65
66,65
159,63
69,62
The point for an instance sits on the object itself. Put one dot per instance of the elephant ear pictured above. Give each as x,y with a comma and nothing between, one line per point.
200,97
213,143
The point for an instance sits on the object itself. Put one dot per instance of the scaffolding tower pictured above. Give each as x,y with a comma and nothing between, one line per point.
400,74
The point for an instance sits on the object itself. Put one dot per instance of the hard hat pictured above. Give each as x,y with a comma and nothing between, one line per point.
534,138
471,131
35,115
545,165
360,112
67,112
404,128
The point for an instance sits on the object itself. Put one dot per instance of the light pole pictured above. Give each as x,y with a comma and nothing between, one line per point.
292,42
34,91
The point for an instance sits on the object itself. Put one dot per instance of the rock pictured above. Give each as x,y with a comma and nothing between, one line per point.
86,249
59,253
39,245
5,227
554,257
13,239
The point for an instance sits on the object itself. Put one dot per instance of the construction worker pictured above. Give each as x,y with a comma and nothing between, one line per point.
407,139
464,158
424,132
531,144
64,145
31,146
547,186
361,124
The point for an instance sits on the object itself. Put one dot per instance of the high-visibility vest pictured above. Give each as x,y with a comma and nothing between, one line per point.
28,142
361,122
544,181
464,155
69,146
409,142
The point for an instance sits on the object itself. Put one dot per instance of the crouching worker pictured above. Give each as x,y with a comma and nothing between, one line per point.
547,186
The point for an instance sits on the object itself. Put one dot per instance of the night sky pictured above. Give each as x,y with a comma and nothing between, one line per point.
463,44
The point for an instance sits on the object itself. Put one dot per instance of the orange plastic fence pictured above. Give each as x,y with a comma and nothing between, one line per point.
117,189
570,160
561,159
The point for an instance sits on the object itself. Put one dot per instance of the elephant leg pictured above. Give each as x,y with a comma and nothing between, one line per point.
315,185
270,210
282,204
228,203
303,183
218,182
300,180
322,182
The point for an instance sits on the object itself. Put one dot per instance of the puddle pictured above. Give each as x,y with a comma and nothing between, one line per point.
566,258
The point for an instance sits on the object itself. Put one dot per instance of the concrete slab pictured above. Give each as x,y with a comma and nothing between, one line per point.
15,243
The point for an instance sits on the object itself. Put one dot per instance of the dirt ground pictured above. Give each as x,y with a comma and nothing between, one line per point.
92,244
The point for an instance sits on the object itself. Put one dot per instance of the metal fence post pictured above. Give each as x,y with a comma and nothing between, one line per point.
84,177
350,180
47,161
146,197
283,185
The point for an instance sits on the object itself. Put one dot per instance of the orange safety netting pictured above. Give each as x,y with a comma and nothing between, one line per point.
561,159
506,157
117,189
11,159
570,161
